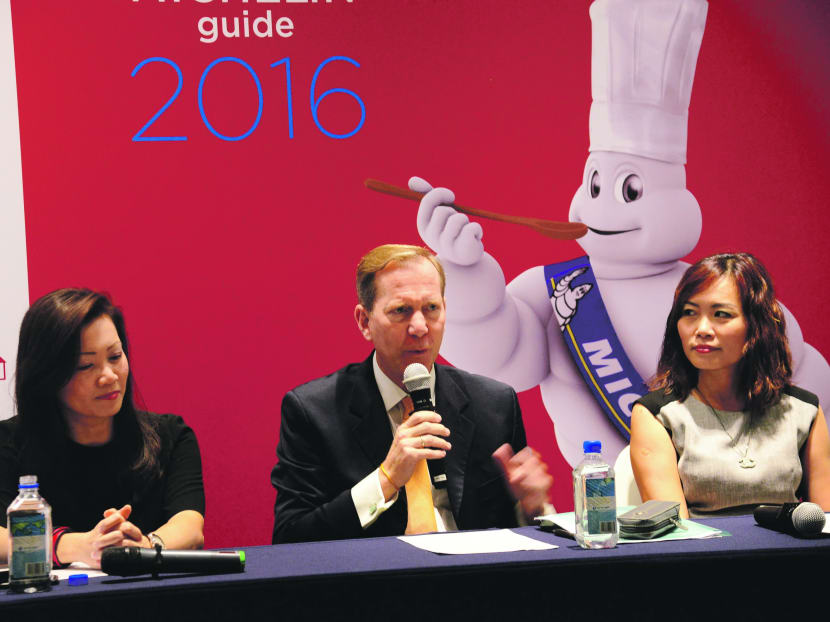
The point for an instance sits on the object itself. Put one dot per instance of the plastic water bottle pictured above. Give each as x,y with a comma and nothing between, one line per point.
595,504
30,538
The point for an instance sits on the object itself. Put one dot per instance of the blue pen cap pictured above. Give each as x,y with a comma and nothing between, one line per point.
592,447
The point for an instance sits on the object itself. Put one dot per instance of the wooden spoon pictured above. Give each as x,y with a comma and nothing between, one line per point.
549,228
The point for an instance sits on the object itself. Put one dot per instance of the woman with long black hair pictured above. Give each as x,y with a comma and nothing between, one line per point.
114,475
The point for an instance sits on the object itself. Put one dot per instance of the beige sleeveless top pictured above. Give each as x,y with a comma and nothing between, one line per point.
708,455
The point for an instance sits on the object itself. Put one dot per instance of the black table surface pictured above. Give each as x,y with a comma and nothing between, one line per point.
750,573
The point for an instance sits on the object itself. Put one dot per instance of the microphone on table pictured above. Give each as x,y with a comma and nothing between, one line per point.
798,519
130,561
416,380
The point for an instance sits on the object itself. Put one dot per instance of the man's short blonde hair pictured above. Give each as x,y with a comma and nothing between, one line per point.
378,258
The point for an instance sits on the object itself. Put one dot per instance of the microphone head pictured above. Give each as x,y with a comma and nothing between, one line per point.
415,377
808,519
127,561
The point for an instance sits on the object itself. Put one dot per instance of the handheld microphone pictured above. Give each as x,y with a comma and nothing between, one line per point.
131,561
416,380
798,519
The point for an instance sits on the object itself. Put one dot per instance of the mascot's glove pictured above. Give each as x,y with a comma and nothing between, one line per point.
448,232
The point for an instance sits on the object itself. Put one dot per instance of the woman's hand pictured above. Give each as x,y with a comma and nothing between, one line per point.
182,531
107,533
132,534
113,530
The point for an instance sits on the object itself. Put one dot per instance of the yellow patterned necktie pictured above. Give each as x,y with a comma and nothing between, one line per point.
420,511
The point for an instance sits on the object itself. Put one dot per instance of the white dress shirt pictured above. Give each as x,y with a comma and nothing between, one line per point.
367,494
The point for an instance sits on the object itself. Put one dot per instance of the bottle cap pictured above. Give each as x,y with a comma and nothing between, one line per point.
28,481
592,447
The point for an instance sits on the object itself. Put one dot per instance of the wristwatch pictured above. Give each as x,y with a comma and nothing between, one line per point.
155,540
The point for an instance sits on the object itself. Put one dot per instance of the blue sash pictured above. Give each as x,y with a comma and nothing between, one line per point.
591,340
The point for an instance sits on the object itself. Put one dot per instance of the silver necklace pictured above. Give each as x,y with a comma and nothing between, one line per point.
744,461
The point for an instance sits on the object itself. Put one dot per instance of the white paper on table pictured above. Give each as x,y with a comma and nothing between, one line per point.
826,523
77,568
74,568
465,542
566,521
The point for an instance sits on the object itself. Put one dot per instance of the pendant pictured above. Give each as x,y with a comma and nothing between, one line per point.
747,462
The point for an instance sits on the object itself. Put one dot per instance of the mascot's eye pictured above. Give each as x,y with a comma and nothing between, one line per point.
632,188
593,185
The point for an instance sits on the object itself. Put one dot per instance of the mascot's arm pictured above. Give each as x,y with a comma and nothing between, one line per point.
810,369
492,330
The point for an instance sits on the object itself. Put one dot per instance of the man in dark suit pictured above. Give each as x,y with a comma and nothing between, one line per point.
350,453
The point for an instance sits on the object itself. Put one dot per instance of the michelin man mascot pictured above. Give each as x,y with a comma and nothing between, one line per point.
589,331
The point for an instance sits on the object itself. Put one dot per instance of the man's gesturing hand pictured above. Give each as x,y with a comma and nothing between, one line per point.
527,476
420,437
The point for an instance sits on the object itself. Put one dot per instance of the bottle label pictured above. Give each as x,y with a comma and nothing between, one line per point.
28,544
601,505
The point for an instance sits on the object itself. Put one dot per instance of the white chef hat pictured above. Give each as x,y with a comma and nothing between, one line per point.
643,59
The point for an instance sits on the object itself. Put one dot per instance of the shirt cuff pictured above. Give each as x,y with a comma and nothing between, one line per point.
367,496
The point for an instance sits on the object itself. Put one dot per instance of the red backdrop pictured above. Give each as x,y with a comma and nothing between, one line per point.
234,260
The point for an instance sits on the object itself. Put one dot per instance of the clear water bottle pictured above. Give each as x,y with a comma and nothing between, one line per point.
595,504
30,538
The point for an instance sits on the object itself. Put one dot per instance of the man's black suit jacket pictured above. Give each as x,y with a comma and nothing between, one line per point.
335,431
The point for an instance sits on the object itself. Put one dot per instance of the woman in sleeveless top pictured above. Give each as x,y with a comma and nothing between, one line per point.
724,429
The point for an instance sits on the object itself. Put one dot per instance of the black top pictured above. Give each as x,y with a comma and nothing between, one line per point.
80,482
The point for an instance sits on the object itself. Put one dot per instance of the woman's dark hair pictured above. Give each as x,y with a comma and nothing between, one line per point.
766,367
47,357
